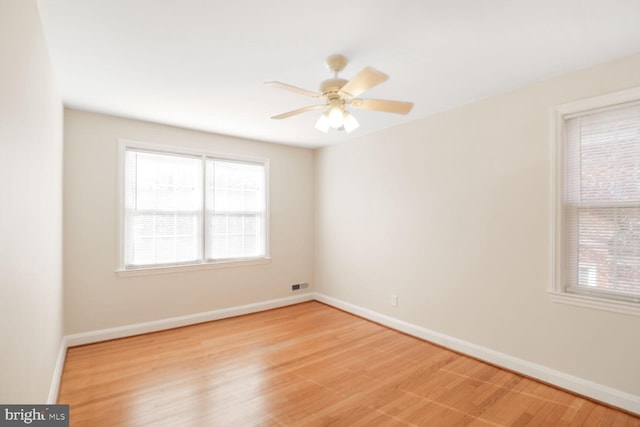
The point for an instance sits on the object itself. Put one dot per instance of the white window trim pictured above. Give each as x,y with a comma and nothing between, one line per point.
121,270
557,291
146,271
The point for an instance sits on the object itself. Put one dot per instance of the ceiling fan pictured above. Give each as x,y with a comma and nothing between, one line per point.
336,94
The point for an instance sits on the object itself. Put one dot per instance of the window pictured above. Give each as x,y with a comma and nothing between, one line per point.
597,206
183,208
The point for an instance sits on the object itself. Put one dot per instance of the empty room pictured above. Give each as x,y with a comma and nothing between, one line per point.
293,213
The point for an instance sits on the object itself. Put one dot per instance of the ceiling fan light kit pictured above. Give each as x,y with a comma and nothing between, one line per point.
337,119
337,93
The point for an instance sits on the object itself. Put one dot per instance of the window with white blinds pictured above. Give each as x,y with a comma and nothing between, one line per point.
600,209
184,209
235,210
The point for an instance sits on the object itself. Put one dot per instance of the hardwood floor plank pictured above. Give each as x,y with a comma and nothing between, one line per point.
305,365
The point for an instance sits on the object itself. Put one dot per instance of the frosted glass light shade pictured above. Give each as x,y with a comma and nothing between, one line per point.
350,122
323,123
335,117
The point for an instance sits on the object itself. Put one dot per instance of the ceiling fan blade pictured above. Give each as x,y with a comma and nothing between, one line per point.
365,80
299,111
397,107
295,89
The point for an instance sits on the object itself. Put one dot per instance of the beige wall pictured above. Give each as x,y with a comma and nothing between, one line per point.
452,213
97,298
31,215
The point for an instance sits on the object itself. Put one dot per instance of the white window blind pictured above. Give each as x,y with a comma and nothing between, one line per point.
235,210
163,204
602,203
191,209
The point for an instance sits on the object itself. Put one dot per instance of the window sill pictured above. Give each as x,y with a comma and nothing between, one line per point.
622,307
191,267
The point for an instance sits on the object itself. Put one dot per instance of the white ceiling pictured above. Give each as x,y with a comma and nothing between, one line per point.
201,64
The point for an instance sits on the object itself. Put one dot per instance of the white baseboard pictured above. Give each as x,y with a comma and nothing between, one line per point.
577,385
57,373
176,322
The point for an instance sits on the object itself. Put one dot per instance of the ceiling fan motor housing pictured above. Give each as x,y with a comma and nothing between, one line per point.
332,85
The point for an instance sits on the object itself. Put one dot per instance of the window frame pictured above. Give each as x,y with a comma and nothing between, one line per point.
559,291
203,263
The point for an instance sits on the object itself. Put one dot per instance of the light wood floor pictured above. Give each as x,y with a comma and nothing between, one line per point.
304,365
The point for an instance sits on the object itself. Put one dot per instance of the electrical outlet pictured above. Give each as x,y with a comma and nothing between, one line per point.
394,300
304,285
